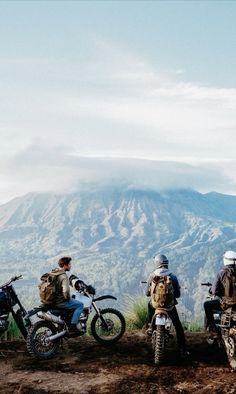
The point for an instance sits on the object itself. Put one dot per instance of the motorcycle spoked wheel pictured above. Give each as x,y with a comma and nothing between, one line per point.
154,333
159,349
231,351
36,341
108,328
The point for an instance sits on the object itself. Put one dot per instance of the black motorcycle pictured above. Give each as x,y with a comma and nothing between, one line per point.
10,304
49,325
225,321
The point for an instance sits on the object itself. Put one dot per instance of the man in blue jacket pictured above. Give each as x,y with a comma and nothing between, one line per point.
162,270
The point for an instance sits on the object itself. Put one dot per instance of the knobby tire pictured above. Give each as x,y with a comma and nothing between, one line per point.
102,333
159,350
34,342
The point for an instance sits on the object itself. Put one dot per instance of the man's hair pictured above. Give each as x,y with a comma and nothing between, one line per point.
64,261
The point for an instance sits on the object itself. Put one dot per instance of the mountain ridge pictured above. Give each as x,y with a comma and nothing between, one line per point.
113,234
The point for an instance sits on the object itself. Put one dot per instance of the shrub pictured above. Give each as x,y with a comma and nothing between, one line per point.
12,331
136,312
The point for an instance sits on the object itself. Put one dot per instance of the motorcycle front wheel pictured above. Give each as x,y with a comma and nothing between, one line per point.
36,341
159,344
108,327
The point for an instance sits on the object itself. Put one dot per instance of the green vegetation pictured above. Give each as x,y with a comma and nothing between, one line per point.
136,312
12,332
136,315
193,326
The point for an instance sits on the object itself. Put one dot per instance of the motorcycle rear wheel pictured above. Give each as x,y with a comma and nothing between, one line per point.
36,342
109,327
230,346
159,349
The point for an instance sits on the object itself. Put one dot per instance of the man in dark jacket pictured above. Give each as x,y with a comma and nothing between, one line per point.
223,287
162,270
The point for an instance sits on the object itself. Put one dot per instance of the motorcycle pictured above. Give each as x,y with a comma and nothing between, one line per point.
160,333
49,325
8,301
225,321
161,325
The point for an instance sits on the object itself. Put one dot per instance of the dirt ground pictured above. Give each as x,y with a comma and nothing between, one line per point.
85,367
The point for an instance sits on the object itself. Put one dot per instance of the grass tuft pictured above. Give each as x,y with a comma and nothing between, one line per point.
136,312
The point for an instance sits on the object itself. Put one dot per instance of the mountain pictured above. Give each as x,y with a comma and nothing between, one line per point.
112,235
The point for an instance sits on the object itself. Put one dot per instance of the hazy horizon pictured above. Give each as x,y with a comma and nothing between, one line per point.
133,90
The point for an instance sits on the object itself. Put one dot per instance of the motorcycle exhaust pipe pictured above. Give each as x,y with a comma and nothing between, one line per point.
56,336
50,317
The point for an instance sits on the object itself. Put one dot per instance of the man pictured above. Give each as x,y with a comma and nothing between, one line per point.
162,270
223,287
63,299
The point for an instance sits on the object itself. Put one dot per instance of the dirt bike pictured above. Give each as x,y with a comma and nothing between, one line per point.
225,321
161,325
160,333
8,301
49,325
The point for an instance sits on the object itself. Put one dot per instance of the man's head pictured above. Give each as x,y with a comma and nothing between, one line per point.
65,263
161,260
229,257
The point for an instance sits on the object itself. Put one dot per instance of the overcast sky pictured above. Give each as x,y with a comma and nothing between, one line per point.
137,91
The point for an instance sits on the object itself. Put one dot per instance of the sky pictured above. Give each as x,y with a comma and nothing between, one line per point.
139,92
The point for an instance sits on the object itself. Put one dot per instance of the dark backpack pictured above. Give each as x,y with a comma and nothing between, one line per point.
48,288
229,283
162,292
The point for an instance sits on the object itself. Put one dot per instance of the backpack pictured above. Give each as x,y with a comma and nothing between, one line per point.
162,292
48,288
229,283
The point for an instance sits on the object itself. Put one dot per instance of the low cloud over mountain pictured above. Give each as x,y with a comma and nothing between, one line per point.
112,235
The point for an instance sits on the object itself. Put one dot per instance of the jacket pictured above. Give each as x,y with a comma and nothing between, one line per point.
63,293
164,272
217,288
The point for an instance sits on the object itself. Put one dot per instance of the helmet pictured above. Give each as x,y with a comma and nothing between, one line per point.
229,257
161,259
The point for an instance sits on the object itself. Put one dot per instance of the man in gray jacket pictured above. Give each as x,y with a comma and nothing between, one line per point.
163,270
63,299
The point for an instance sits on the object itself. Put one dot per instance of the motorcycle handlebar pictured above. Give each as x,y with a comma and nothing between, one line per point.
16,278
13,279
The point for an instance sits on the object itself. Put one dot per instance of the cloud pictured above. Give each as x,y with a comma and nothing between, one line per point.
56,170
112,104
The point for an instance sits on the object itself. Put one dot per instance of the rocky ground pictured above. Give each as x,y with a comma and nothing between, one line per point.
85,367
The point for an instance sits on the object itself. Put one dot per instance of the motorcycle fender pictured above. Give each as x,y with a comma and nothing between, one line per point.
34,319
104,297
160,320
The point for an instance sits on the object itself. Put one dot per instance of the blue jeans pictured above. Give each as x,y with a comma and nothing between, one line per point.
72,304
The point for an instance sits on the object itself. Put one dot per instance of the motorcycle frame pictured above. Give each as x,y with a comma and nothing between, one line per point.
12,299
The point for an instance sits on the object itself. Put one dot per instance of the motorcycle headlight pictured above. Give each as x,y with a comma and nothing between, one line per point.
3,325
